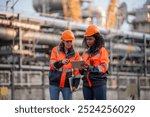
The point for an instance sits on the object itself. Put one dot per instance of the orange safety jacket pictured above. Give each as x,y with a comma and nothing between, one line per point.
59,74
98,61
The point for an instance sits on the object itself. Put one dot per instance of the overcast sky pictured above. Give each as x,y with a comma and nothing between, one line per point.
26,5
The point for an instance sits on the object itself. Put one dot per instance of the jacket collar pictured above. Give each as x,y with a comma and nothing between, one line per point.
92,51
70,53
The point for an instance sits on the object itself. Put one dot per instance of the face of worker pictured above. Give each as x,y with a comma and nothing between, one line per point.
68,44
90,41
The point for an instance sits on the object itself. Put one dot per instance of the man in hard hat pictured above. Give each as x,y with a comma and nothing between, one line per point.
61,68
95,69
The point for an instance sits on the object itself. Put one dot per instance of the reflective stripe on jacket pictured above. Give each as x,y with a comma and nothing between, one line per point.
96,73
59,73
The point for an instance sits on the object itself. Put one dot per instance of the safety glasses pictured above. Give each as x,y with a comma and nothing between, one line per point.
68,41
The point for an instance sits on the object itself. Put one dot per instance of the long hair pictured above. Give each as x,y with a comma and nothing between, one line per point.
62,46
99,41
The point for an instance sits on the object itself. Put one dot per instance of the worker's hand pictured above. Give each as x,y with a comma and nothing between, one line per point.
81,67
66,61
74,89
86,66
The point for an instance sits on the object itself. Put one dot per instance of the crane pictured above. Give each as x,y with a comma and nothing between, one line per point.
71,9
111,15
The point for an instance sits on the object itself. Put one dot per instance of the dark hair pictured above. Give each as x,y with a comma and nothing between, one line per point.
99,41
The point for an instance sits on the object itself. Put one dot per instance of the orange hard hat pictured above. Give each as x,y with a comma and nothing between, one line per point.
91,30
67,35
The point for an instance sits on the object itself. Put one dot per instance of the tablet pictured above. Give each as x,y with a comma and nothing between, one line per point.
77,64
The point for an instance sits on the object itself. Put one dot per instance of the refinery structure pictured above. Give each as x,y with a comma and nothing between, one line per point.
26,43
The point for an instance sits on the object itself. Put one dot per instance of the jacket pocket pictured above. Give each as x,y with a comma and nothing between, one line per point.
54,76
98,76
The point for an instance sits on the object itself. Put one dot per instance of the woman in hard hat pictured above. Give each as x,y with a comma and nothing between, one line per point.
95,69
61,68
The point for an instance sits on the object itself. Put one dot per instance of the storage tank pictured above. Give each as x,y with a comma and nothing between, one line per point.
47,6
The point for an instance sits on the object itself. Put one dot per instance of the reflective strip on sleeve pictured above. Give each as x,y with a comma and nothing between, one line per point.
64,70
99,68
103,67
106,65
52,67
52,61
52,64
77,76
98,55
76,69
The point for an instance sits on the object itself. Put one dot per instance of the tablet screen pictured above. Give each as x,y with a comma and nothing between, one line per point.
77,64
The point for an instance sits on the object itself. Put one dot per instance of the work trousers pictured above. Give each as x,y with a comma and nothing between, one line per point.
97,92
55,92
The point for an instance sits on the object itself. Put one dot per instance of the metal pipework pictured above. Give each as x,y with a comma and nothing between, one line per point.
42,38
53,22
53,39
24,25
47,5
29,67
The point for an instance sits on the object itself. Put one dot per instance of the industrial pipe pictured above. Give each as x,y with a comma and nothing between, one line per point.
53,22
40,37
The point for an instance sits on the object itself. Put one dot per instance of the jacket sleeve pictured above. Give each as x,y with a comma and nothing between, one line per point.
58,64
54,63
104,58
104,61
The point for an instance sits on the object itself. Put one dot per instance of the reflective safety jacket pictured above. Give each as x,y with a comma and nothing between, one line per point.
98,61
59,74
